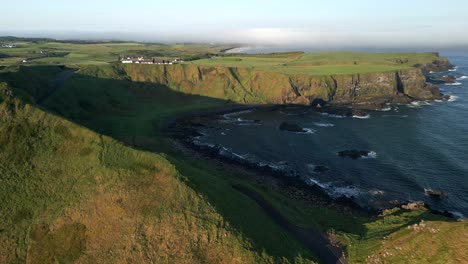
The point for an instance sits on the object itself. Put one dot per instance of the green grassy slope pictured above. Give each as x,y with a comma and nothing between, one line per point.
324,63
69,193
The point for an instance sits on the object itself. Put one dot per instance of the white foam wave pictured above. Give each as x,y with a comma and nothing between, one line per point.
335,191
361,117
324,124
418,104
234,114
332,115
313,181
402,116
375,192
453,84
458,214
280,166
385,109
454,69
307,131
370,155
464,77
240,121
201,143
452,98
228,152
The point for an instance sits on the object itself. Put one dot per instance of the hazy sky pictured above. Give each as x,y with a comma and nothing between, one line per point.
294,22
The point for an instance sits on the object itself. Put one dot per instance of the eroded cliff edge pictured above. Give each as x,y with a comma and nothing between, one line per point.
253,86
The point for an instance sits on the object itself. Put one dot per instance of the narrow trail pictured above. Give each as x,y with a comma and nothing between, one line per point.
314,240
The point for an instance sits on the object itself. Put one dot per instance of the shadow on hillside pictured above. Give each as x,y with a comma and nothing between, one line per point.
134,111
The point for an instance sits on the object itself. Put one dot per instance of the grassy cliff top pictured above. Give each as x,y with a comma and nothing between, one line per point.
54,52
323,63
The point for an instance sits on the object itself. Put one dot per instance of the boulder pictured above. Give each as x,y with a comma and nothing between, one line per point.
435,193
414,206
285,126
442,80
354,153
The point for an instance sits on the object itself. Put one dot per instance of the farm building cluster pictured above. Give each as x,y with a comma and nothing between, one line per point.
7,46
142,60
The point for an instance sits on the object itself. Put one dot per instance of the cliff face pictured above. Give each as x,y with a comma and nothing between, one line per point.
245,85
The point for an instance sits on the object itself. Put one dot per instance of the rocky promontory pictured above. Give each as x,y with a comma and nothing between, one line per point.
254,86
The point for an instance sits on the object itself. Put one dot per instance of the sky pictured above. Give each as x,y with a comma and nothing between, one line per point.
327,23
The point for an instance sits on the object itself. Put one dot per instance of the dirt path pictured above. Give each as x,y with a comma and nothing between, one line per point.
315,240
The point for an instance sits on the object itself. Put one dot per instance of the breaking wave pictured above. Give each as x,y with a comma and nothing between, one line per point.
235,114
464,77
335,191
458,214
324,124
418,104
307,131
385,109
452,98
453,84
361,117
402,116
370,155
332,115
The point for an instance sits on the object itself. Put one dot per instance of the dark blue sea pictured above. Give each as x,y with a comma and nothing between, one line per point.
413,147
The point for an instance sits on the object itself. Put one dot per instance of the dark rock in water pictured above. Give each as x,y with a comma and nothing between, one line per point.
414,206
291,127
294,110
435,193
353,153
257,121
449,79
442,80
339,111
359,113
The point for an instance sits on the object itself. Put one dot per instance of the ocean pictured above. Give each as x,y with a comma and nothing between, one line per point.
413,147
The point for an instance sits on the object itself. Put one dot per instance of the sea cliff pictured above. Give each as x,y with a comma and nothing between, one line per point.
254,86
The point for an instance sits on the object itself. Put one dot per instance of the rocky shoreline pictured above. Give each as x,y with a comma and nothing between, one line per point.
184,129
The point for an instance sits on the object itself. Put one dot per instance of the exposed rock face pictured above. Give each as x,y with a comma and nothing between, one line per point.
247,85
291,127
435,193
439,65
414,206
354,153
443,79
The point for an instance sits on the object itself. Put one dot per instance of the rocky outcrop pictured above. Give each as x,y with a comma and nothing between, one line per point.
354,153
252,86
442,80
438,65
292,127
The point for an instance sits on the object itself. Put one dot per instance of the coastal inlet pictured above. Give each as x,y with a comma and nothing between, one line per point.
379,159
